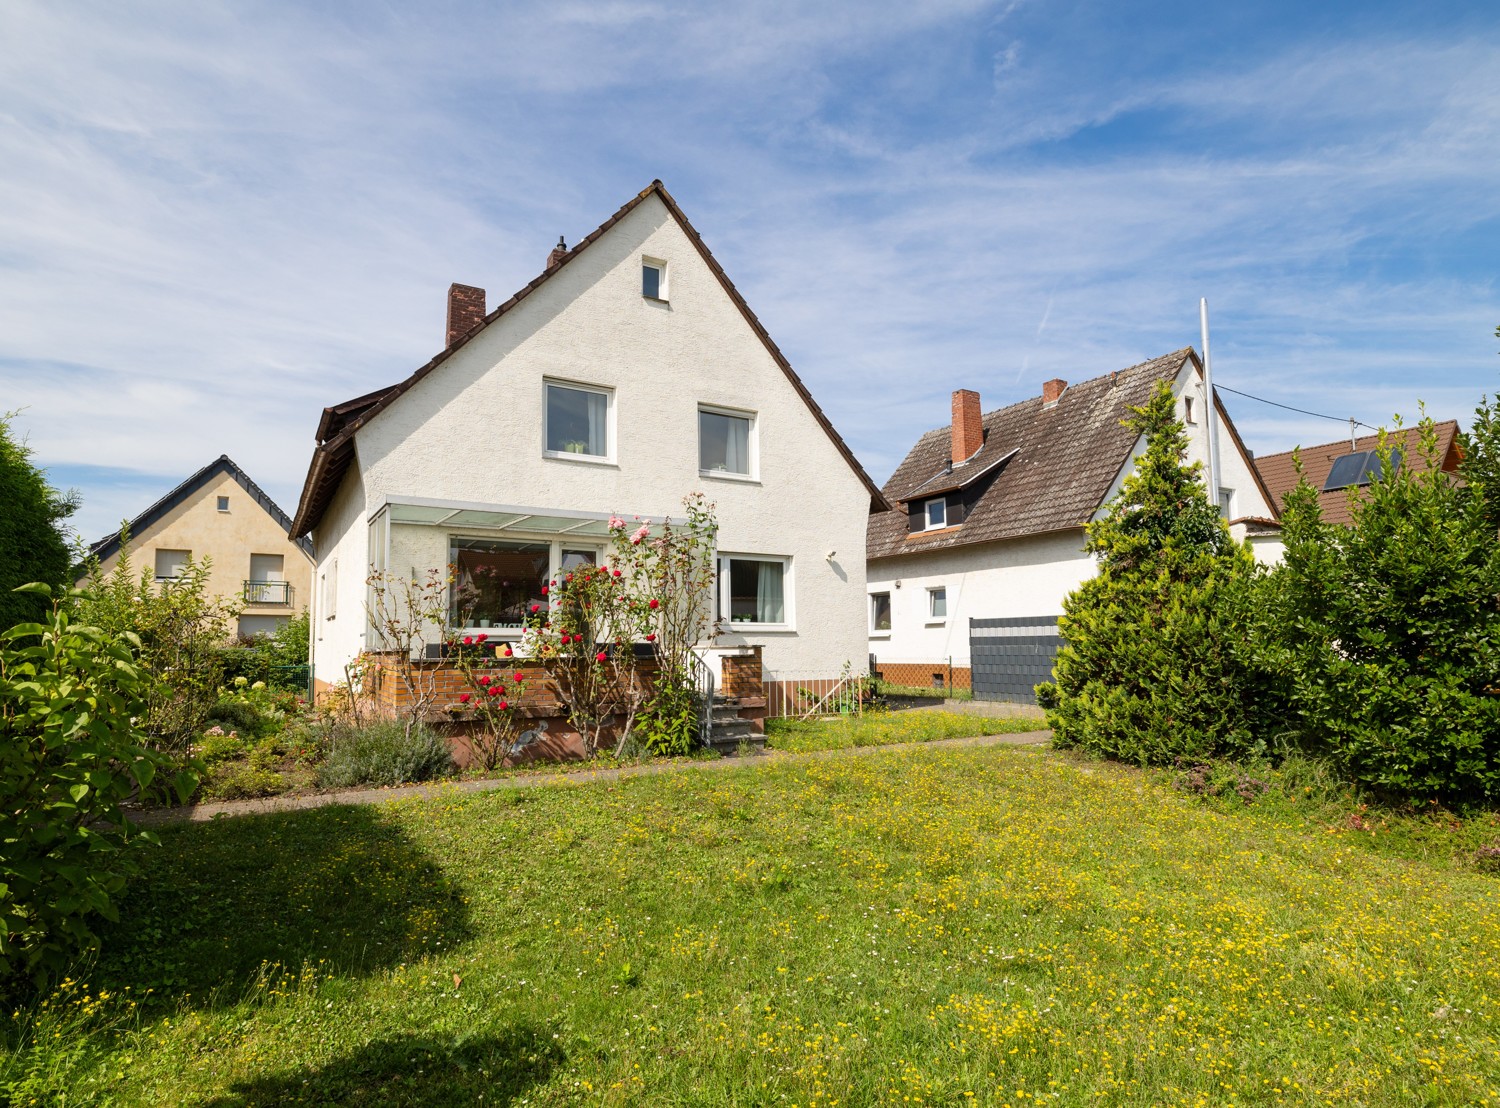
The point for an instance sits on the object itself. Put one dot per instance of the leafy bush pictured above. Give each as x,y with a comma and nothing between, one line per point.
33,546
180,628
278,659
70,755
1389,631
669,722
384,752
1156,665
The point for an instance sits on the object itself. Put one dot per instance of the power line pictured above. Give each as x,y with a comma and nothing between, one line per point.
1288,407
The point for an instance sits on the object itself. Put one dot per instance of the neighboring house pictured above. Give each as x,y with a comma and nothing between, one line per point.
991,516
1334,468
219,513
627,375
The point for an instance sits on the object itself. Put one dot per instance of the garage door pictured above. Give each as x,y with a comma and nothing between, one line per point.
1008,658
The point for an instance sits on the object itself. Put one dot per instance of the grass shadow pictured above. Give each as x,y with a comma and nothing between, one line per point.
220,904
411,1071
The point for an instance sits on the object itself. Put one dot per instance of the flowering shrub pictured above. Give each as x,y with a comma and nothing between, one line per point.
494,699
585,640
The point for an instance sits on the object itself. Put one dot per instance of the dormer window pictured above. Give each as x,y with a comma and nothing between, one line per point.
937,513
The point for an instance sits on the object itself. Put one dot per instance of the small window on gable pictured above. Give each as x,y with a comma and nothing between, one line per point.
937,513
1187,410
1226,503
653,279
223,503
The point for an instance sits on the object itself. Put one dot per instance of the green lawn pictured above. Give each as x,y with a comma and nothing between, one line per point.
916,925
887,728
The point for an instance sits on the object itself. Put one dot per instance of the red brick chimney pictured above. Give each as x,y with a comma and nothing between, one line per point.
1052,389
968,425
465,310
559,252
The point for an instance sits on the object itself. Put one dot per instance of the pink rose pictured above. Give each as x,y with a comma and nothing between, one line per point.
616,523
640,535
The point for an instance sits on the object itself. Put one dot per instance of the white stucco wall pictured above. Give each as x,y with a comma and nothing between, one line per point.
338,635
473,431
1018,577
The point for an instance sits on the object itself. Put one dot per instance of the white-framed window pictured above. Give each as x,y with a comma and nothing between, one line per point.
937,513
578,422
1187,410
755,591
330,590
223,503
653,279
1226,502
880,613
170,564
726,442
937,604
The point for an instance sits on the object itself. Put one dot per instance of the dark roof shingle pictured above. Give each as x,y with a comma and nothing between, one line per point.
1065,458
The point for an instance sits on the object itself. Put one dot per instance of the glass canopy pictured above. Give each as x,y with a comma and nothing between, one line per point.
531,521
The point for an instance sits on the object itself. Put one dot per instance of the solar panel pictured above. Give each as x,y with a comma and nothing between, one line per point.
1359,468
1350,470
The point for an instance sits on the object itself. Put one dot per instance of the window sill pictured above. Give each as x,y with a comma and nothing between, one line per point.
655,299
936,622
586,459
880,634
726,475
757,628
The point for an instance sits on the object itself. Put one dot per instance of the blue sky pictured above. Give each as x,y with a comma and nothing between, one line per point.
217,218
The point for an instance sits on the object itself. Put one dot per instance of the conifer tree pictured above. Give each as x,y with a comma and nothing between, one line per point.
32,544
1156,664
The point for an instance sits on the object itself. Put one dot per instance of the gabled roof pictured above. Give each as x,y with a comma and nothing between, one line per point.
1066,456
110,544
1280,474
339,424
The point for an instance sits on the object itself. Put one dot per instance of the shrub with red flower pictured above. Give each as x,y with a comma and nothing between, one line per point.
498,720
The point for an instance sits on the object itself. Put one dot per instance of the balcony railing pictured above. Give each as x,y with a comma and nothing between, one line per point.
268,592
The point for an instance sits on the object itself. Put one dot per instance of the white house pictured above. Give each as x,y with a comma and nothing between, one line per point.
992,511
628,374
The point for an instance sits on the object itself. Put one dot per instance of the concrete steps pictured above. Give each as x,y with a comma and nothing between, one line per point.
728,733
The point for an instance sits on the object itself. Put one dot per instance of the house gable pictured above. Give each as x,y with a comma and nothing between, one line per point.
559,303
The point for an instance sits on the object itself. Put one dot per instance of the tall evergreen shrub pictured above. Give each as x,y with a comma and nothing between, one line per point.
32,544
1156,664
1389,630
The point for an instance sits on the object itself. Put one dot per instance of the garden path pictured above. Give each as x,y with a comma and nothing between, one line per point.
201,813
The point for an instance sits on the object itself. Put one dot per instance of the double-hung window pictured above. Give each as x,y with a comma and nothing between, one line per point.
726,442
577,421
755,591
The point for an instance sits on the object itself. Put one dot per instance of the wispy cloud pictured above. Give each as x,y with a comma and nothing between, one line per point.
216,218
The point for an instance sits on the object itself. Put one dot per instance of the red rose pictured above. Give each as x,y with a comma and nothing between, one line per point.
480,638
651,637
468,640
519,678
544,590
508,652
599,657
495,691
617,573
535,608
655,604
485,680
504,705
463,698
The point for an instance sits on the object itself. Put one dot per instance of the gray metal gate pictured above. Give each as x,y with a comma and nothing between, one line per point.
1008,658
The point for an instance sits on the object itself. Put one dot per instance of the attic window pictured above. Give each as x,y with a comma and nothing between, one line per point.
653,279
223,503
1357,469
937,513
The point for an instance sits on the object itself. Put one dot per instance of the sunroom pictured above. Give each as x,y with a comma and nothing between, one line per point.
503,555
